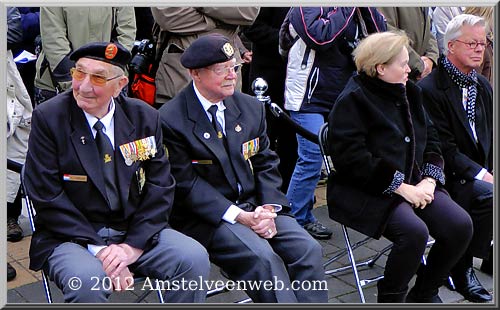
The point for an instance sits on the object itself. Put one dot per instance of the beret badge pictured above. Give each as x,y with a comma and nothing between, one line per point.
228,49
111,51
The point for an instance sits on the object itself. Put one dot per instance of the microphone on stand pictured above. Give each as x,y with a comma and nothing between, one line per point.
259,87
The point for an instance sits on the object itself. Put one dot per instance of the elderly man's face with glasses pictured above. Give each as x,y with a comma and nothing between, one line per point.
466,51
94,83
217,81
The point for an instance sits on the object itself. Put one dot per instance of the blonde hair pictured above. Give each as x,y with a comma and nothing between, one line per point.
487,14
378,48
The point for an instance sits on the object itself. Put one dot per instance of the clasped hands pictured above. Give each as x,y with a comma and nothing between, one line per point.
420,195
261,220
115,260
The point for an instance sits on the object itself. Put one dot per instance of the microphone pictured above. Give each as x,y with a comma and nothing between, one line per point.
259,87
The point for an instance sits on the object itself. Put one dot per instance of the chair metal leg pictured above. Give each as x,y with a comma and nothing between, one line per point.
46,287
353,263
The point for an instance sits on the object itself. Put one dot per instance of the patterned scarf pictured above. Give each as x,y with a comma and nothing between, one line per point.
468,81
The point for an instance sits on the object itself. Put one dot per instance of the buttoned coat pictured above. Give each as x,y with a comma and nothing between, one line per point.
374,130
65,183
206,183
464,157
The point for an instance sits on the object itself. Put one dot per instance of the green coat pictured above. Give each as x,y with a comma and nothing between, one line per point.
64,29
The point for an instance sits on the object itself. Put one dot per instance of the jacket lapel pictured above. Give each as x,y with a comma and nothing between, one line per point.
85,146
455,100
124,133
206,134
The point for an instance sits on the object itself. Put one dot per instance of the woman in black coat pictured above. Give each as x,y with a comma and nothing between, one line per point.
389,172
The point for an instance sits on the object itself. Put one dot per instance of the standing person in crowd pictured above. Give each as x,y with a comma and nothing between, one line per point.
181,26
416,23
30,20
487,66
319,65
389,172
64,29
227,194
268,64
100,182
19,109
441,16
460,102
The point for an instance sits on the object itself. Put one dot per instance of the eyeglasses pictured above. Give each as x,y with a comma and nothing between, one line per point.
225,70
473,45
95,79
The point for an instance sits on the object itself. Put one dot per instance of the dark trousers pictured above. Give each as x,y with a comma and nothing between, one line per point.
14,208
409,229
476,197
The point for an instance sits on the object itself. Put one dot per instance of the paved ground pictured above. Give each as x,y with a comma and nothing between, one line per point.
27,287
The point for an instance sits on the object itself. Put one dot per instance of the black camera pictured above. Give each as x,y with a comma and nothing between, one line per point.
143,56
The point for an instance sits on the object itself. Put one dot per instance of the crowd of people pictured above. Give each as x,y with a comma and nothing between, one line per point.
205,174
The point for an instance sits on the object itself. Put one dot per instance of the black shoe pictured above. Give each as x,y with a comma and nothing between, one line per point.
414,298
469,286
318,230
14,231
11,272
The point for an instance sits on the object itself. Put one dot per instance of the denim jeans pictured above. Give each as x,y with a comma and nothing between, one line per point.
307,170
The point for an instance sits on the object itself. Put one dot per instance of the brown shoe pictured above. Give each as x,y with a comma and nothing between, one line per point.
14,231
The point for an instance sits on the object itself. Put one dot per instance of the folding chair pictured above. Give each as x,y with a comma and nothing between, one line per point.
45,277
349,247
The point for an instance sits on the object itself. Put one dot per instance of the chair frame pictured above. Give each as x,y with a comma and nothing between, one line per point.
45,278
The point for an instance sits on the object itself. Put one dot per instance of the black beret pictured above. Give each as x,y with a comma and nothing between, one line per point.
113,53
207,50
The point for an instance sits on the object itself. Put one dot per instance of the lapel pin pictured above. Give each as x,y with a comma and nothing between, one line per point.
206,135
82,138
237,128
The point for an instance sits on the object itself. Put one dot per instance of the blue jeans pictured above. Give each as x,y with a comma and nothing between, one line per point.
307,171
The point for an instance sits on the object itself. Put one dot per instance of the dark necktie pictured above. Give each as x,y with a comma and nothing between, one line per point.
217,126
106,155
220,134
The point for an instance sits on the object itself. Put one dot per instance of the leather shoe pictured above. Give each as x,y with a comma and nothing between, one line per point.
11,272
14,231
469,286
318,230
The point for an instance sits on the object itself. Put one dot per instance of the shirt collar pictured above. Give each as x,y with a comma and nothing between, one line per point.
106,120
206,103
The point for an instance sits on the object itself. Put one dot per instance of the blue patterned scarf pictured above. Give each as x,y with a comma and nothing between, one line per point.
468,81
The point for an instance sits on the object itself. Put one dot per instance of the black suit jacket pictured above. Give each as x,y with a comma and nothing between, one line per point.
206,183
61,143
464,158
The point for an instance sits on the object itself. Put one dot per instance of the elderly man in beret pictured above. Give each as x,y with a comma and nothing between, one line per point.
228,186
101,185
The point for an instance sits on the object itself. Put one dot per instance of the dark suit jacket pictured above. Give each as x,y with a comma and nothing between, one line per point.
206,183
374,130
464,157
61,143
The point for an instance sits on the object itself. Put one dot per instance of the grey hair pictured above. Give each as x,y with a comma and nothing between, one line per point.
454,28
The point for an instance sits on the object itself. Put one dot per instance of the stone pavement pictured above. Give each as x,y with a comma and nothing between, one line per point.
27,286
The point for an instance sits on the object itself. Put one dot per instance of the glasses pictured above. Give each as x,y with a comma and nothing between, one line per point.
225,70
95,79
473,45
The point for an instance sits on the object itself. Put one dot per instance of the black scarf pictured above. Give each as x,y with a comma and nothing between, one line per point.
463,80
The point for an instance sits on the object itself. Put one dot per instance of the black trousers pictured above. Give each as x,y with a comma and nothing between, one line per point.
409,229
